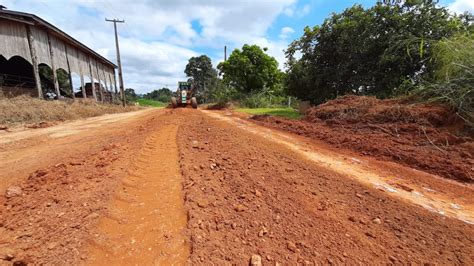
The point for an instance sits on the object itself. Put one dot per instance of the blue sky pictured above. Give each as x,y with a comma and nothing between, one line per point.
159,36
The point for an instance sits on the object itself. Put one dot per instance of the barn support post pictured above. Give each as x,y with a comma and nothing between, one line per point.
101,91
83,87
94,94
53,67
69,73
109,89
34,62
112,100
105,87
115,85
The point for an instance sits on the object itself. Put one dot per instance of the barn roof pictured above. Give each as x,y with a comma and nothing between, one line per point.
32,19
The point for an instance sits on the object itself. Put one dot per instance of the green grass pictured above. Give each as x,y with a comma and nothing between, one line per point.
276,111
152,103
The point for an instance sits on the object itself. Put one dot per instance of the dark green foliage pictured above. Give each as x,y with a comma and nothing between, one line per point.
46,75
369,51
220,93
201,72
250,69
130,95
162,95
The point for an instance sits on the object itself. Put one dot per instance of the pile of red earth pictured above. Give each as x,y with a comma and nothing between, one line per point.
427,137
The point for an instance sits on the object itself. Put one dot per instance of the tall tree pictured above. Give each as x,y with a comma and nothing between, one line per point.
368,51
130,95
250,69
201,71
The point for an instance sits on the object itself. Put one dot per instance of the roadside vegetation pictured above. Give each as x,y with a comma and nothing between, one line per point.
412,49
151,103
28,110
287,112
156,98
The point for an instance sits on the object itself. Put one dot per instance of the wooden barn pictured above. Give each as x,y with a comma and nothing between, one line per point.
38,59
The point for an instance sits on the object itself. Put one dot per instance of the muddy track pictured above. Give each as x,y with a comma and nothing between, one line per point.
177,186
145,220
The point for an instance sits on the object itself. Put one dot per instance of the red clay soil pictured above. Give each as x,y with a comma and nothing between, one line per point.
422,136
48,217
246,195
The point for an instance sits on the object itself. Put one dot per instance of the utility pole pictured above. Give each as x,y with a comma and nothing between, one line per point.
225,53
119,62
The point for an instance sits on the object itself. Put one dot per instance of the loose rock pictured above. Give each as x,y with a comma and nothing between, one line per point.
256,260
203,203
291,246
258,193
240,208
7,254
13,191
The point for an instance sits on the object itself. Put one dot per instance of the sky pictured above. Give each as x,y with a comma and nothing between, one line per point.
159,36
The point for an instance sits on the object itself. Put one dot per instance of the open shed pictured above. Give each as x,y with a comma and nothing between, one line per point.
28,43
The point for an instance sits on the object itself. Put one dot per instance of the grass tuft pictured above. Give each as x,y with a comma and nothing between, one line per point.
24,109
276,111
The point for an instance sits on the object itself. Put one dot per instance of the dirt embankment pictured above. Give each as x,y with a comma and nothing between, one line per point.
37,113
246,195
426,137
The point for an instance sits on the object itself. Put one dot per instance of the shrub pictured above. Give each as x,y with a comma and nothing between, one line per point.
453,80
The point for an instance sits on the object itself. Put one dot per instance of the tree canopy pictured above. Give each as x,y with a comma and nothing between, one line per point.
162,95
250,69
200,70
369,51
130,95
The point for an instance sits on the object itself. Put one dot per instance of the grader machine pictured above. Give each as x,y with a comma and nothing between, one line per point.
184,95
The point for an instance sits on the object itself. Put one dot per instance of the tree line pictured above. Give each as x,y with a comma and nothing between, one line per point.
393,48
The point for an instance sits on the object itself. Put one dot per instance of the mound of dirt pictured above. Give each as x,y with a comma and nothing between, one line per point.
363,109
423,136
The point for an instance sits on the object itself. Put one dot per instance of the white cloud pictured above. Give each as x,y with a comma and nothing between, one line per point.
286,32
157,37
460,6
294,11
304,10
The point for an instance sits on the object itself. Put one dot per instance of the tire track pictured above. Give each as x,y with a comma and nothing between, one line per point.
146,219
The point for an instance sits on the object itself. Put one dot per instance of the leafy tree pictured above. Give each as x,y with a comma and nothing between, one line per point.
46,75
250,69
130,95
368,51
201,72
162,95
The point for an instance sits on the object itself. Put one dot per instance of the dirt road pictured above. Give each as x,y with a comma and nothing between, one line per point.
175,186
